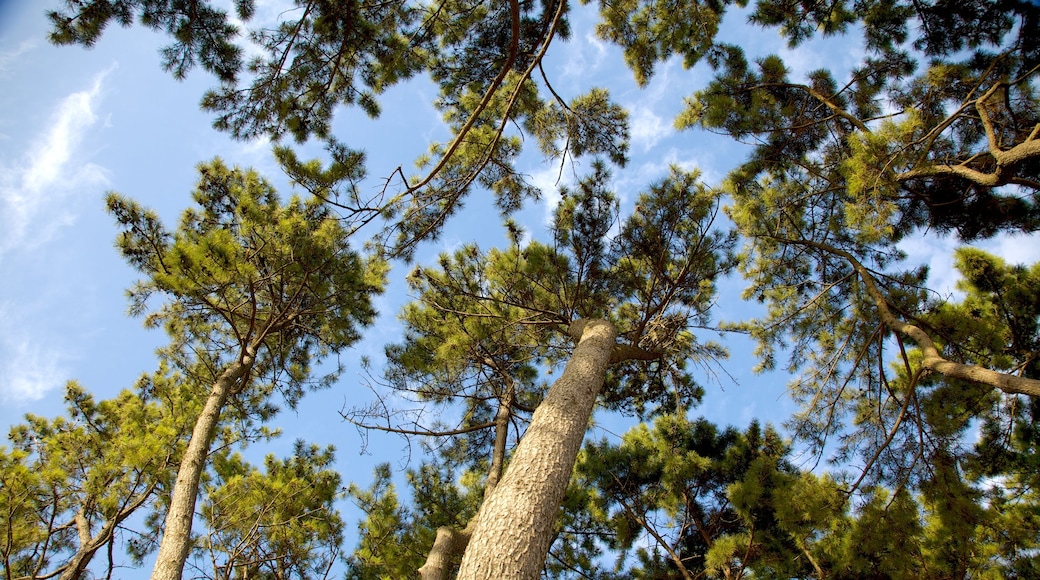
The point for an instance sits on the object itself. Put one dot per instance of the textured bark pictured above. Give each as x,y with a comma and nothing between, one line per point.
176,536
77,565
449,543
513,530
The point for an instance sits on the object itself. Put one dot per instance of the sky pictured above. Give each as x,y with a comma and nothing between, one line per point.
76,123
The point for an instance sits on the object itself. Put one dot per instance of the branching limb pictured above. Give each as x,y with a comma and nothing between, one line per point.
932,359
448,545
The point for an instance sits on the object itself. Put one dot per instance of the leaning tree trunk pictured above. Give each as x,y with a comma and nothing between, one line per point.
513,529
176,535
76,568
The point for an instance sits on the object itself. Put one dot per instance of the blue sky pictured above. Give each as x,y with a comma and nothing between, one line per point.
77,123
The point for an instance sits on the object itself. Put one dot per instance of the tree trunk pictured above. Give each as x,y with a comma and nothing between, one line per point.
513,529
77,566
176,536
449,543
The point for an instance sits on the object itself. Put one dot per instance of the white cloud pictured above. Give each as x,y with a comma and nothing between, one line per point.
38,191
27,370
549,180
652,108
34,189
9,56
1015,249
648,128
937,253
638,178
584,56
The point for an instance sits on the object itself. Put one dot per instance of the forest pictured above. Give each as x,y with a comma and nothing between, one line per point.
918,408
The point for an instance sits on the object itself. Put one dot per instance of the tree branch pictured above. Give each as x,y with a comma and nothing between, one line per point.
932,359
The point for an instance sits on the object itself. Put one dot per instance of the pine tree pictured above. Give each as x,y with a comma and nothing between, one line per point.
484,56
486,325
251,293
934,132
71,483
277,523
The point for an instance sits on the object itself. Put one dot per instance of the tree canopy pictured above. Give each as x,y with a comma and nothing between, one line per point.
925,403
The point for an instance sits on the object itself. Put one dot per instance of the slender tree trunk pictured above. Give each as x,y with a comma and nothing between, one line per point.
176,536
77,565
513,529
450,543
498,453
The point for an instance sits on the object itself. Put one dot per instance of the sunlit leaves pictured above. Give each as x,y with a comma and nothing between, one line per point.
394,538
244,271
589,125
70,483
201,33
652,31
870,170
275,522
663,493
324,54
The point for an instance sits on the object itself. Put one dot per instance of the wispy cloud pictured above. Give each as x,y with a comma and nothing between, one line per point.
27,370
648,128
584,56
38,190
937,253
549,179
34,188
9,56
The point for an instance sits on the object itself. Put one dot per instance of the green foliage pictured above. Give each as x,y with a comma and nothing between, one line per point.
686,499
394,539
325,54
669,484
245,274
997,324
488,328
322,55
281,522
71,481
202,33
485,324
843,169
244,280
590,124
654,31
933,131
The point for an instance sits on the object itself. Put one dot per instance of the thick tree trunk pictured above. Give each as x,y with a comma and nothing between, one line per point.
513,530
176,536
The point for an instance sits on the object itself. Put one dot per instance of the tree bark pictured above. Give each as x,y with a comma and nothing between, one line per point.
450,542
513,530
176,536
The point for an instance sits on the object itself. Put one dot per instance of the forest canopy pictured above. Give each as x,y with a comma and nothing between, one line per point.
919,405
